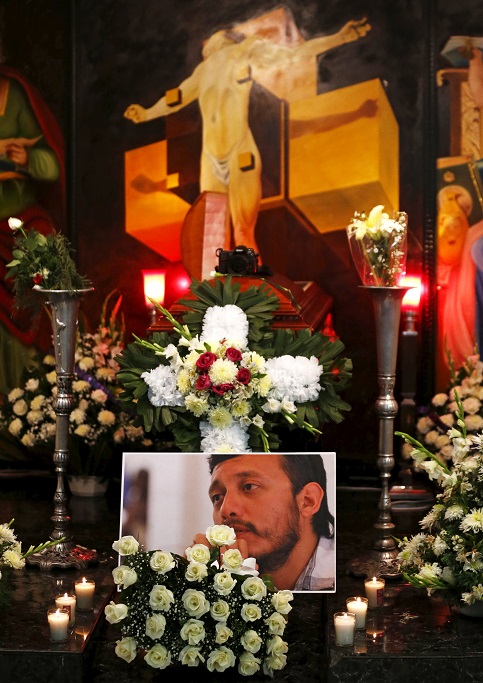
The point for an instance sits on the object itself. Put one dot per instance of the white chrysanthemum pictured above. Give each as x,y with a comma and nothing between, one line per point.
162,387
447,419
51,377
430,571
439,546
37,402
225,322
7,534
28,440
15,394
183,381
20,407
32,384
232,439
431,437
82,430
454,512
222,371
15,426
474,423
99,396
471,405
253,361
263,386
473,521
295,378
240,408
196,404
34,417
424,424
77,416
439,400
106,418
80,385
220,417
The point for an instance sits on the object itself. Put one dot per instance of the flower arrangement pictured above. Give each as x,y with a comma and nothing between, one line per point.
378,246
447,556
209,608
467,382
43,261
225,379
98,423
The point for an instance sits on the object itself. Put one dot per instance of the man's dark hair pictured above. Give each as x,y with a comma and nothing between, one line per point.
300,469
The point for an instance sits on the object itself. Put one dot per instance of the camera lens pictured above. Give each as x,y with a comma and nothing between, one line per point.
238,265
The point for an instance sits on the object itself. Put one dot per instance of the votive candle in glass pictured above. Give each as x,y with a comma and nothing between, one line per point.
344,624
84,593
374,592
68,602
358,606
58,622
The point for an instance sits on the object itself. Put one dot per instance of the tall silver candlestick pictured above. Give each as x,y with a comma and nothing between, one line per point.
65,554
382,560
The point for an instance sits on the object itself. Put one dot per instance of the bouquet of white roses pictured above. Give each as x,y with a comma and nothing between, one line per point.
467,383
206,609
448,555
378,245
225,380
98,423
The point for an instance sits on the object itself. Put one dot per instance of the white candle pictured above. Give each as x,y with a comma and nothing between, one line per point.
344,624
67,602
58,622
374,592
358,606
84,593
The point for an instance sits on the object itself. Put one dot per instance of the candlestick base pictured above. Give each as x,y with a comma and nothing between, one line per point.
382,563
77,557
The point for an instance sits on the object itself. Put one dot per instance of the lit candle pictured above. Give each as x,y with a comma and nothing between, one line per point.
344,624
84,593
358,606
67,602
374,592
58,622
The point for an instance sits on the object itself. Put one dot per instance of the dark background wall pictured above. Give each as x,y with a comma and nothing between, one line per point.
91,59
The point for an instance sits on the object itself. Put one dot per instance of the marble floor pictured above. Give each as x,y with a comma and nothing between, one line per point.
410,637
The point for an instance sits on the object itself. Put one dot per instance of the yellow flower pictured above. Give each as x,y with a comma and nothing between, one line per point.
220,417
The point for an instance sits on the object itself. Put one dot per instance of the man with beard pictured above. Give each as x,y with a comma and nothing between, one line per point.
277,505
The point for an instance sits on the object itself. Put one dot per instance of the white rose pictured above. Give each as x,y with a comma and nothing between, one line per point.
190,656
232,559
115,613
276,646
198,553
248,664
196,571
195,602
281,600
273,663
126,545
126,649
124,576
250,612
251,641
158,657
161,561
276,624
220,659
220,610
193,631
253,588
223,633
220,534
161,598
155,626
223,583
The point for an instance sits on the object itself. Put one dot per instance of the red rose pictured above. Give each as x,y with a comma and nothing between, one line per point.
38,279
206,360
220,389
233,354
244,375
203,382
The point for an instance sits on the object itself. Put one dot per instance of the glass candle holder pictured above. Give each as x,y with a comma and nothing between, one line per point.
374,592
67,601
344,625
58,619
358,606
84,593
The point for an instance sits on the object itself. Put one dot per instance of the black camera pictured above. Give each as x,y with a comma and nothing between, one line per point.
240,261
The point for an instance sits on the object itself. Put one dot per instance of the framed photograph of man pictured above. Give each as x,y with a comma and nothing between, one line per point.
281,506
